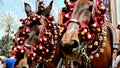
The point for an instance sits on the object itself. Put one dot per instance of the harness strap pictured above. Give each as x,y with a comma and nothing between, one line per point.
74,21
115,35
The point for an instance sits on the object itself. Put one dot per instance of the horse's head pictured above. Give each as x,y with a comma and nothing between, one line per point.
71,39
29,33
85,36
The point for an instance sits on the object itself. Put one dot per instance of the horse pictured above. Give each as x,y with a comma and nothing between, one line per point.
36,41
86,39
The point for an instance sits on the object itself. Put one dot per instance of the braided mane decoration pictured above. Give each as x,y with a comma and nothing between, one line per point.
48,38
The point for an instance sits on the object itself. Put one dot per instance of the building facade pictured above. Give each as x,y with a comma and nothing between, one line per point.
112,11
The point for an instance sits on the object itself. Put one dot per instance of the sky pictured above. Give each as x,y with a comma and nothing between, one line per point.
15,8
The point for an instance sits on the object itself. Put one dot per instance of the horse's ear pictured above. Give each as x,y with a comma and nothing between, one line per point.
28,9
46,11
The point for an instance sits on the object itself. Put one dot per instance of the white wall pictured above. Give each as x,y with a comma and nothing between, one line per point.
118,11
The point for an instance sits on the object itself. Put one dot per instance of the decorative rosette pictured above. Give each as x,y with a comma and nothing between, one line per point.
41,5
67,11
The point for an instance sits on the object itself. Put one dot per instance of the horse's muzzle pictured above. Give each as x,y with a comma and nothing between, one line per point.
69,48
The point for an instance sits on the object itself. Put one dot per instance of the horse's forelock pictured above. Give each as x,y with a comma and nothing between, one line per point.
80,6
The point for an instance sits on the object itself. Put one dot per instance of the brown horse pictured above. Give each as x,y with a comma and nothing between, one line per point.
36,42
86,41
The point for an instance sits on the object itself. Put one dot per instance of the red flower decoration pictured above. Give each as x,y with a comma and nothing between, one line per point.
21,40
51,18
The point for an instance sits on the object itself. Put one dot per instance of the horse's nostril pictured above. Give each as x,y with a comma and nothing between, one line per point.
74,44
69,47
66,48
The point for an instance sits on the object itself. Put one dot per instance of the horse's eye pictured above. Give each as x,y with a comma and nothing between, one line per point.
90,8
39,23
24,67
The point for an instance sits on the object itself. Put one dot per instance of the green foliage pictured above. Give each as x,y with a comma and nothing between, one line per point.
5,44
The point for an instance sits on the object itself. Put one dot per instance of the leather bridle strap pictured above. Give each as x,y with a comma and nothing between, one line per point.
75,21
